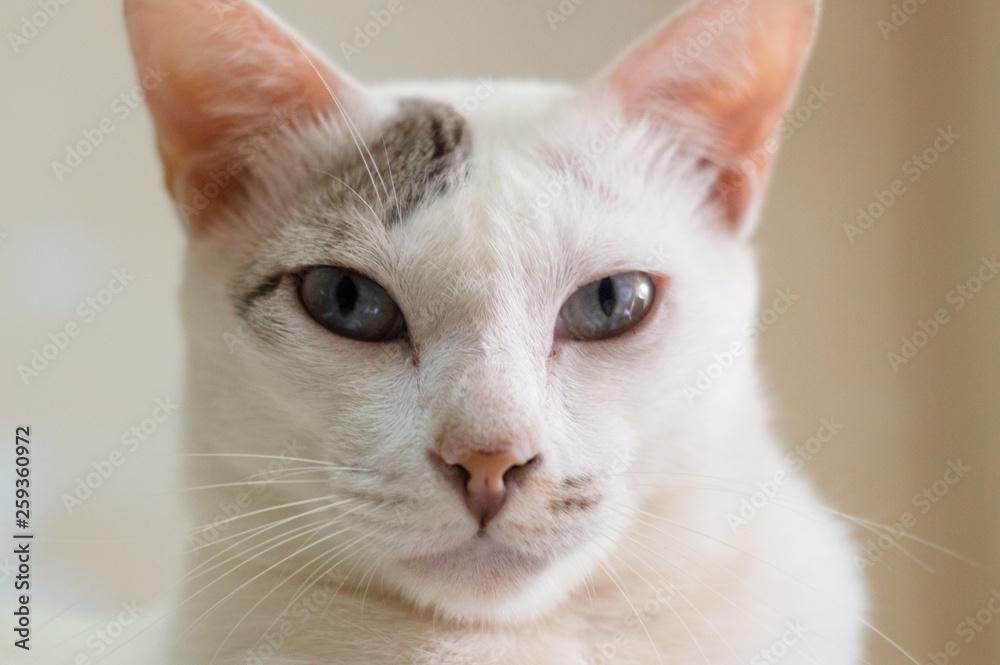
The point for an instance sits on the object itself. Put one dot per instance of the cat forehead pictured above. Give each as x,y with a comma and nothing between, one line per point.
419,147
439,138
438,179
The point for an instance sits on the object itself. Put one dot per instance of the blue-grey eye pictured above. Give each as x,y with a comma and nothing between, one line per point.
608,307
350,305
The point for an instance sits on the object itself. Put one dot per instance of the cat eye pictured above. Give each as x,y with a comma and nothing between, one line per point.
350,305
609,307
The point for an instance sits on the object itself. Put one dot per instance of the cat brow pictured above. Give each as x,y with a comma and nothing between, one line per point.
425,152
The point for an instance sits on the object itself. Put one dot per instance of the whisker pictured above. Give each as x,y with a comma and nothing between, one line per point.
375,215
270,525
769,629
321,571
686,599
333,597
676,614
319,524
299,531
330,465
940,548
260,511
770,565
388,164
371,578
642,623
248,582
276,587
351,128
782,500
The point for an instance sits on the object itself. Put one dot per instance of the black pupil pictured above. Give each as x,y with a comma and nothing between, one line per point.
347,295
607,296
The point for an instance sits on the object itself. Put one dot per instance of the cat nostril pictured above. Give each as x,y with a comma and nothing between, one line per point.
515,472
483,479
460,471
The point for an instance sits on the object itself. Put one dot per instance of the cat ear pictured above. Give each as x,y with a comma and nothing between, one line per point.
222,78
724,72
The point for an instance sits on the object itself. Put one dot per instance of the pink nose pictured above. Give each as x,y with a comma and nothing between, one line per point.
485,478
486,491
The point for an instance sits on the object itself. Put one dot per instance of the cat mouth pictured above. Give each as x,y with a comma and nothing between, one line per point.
482,555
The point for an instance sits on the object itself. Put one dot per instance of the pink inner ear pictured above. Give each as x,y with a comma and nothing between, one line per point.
735,91
233,75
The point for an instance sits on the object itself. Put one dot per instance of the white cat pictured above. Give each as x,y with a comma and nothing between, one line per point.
440,368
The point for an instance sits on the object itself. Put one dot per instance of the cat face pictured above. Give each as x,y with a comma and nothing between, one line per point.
474,326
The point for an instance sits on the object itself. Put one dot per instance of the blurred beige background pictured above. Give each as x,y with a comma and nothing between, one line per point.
63,235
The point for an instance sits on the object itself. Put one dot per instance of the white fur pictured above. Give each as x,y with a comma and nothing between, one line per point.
490,268
480,275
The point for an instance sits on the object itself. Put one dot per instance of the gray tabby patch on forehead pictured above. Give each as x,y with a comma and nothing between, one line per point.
416,155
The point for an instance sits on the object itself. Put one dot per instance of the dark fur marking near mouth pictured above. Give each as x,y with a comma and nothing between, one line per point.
576,483
573,504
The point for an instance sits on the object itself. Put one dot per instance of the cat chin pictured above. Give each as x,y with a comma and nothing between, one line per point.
491,585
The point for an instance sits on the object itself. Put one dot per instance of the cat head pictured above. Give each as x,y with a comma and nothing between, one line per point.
474,326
